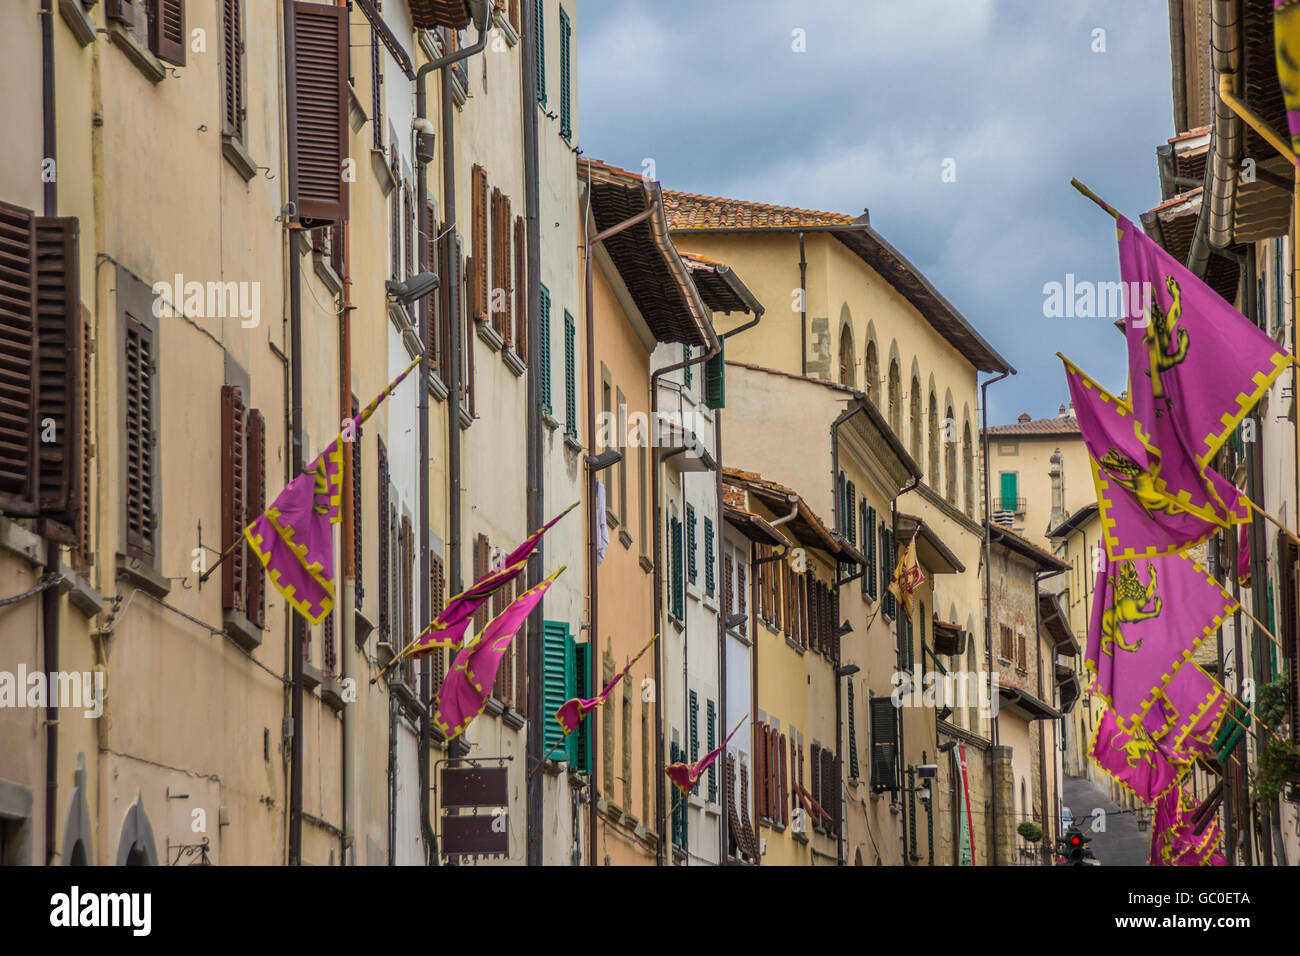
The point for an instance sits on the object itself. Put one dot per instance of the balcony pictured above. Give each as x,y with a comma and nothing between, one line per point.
1014,505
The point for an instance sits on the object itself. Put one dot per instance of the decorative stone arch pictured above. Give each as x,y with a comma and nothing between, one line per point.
135,845
78,837
871,380
894,392
949,454
847,366
914,411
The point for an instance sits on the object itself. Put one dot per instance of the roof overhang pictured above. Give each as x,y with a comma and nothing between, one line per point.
429,14
720,288
805,526
1026,549
930,549
1074,522
1052,616
1025,704
754,527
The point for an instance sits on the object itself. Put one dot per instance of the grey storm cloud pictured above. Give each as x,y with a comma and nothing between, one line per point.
1010,90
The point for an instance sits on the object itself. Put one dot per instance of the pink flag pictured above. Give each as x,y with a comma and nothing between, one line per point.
1286,43
1174,841
447,629
1148,618
466,689
1134,760
685,775
1243,557
575,710
1196,365
1149,505
1185,718
294,539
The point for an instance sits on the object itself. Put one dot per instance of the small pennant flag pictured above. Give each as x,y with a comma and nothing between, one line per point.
575,710
907,577
686,775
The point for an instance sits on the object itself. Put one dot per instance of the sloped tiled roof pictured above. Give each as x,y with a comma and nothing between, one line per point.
1039,427
692,211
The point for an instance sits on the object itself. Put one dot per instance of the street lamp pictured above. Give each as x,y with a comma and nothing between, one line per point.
415,287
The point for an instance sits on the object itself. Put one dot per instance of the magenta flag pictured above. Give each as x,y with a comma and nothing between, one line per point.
466,689
575,710
294,538
1243,557
449,627
1148,619
1196,365
1149,505
686,775
1286,44
1134,760
1174,842
1186,716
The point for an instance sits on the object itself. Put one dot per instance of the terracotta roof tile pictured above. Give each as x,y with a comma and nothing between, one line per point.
692,211
1039,426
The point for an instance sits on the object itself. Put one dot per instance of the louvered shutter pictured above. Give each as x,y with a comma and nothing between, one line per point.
566,116
747,825
167,30
760,769
743,592
358,522
437,663
481,554
691,572
815,771
775,805
884,744
232,54
801,584
712,725
728,606
233,489
18,375
709,584
521,289
570,376
316,64
479,223
138,372
121,10
783,791
853,734
539,41
384,545
59,388
255,496
83,555
544,347
693,714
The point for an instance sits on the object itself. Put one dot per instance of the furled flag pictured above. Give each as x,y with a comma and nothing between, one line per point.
1134,760
466,689
908,576
686,775
1148,618
1286,43
1187,714
575,710
1196,365
447,629
1243,557
1174,840
1149,505
293,538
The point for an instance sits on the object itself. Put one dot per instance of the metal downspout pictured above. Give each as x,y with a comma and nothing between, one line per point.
803,309
988,598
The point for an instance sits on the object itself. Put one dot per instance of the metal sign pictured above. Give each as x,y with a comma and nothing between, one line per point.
474,787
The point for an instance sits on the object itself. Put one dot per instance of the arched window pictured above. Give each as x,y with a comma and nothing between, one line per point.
968,469
950,467
914,400
934,438
895,399
846,358
871,375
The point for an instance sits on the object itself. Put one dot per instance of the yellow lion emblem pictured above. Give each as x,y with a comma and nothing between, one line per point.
1131,601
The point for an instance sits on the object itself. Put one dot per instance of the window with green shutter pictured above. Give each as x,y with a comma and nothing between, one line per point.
868,518
570,377
539,40
884,744
693,713
690,544
1009,500
708,557
678,583
853,736
686,372
566,33
715,379
564,676
545,343
712,729
677,755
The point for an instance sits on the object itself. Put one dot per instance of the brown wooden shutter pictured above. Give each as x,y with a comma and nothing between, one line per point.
59,388
444,244
760,769
787,585
520,288
18,376
801,590
429,260
83,554
437,665
747,825
727,609
501,278
784,789
120,10
358,540
167,30
520,648
233,520
316,66
329,655
408,581
743,592
384,544
479,289
815,772
232,54
255,466
138,371
408,222
482,550
467,336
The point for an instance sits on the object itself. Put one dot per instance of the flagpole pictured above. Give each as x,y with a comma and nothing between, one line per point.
532,773
1094,197
1259,625
1260,511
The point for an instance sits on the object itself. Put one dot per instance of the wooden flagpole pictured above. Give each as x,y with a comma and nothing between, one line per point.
1264,514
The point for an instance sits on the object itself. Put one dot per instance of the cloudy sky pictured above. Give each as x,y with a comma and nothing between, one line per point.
1011,90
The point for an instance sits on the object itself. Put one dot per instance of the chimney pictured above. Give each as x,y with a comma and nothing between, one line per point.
1024,417
1061,411
1058,489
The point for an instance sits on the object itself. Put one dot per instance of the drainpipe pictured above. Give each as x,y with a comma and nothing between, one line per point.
535,496
347,632
50,596
988,594
722,615
592,578
298,627
803,309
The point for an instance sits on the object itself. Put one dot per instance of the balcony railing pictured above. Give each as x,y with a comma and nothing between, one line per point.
1016,505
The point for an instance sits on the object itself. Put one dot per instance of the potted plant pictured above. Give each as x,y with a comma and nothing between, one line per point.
1031,831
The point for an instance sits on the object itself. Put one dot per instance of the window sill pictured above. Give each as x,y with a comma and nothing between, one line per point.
494,707
489,335
549,421
326,273
21,541
794,646
78,20
572,444
383,172
513,361
241,630
331,693
311,676
80,592
238,157
147,579
514,719
398,315
647,565
466,419
625,539
356,112
611,519
459,90
145,61
436,387
506,27
362,625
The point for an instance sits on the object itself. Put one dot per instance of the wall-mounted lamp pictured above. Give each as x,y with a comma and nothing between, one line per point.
845,629
416,287
846,670
736,620
606,459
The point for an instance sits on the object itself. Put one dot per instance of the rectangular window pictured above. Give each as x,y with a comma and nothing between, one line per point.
539,40
564,676
255,496
693,715
708,557
521,290
141,376
1008,650
381,477
687,376
677,584
232,57
570,377
316,37
499,294
1009,497
712,743
234,573
884,744
690,544
620,411
544,332
641,479
566,114
478,307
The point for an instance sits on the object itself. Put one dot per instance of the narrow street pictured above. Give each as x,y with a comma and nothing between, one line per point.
1121,844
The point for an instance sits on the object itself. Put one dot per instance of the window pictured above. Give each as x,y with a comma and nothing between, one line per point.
478,307
641,479
243,499
539,39
566,115
871,375
564,675
232,68
868,517
934,436
690,544
317,91
1009,499
950,466
968,469
570,377
914,413
1008,448
621,414
884,744
437,601
676,571
895,399
501,279
544,343
693,715
1008,650
521,289
385,625
708,557
734,561
376,87
1022,655
853,734
886,565
689,370
846,357
140,373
